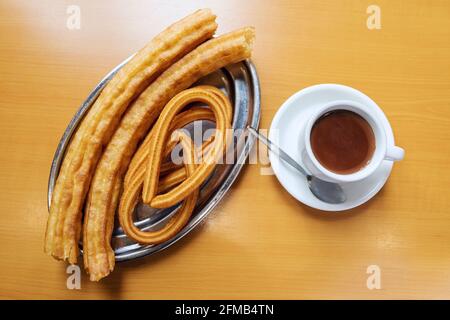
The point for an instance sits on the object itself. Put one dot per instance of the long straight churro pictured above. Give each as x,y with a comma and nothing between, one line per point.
102,200
64,222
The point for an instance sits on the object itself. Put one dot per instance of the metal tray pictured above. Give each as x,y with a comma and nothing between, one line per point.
240,83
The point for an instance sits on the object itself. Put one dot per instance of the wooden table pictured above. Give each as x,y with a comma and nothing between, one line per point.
259,242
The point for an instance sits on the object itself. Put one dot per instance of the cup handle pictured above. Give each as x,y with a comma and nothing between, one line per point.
394,153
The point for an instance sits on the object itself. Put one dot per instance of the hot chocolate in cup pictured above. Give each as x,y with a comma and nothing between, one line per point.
346,142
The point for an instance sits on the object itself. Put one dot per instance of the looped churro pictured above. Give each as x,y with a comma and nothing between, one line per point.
144,171
129,199
181,120
155,156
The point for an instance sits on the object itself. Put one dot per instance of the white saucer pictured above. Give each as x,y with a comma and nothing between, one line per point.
287,130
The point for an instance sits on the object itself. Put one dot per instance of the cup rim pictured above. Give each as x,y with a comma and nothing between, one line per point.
362,110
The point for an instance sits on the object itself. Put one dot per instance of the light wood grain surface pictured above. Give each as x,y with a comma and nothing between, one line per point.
259,242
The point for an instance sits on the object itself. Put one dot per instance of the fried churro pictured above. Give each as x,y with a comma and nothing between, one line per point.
181,120
157,146
156,150
179,220
96,129
101,205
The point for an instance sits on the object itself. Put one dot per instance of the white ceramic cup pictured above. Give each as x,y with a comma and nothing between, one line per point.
383,151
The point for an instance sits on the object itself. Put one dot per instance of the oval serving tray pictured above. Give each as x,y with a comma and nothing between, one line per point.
240,83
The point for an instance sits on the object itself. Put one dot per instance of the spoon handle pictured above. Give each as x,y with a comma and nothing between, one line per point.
278,152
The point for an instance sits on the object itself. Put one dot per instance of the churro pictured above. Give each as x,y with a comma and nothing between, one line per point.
95,131
156,151
130,197
181,120
158,144
208,57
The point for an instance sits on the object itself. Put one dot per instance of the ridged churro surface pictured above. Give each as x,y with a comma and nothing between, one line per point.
101,205
96,129
168,123
157,146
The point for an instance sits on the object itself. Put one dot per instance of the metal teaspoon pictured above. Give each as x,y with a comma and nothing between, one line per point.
326,191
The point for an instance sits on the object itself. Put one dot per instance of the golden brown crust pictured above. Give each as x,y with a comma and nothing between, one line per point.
208,57
95,131
157,145
193,114
179,220
160,136
181,120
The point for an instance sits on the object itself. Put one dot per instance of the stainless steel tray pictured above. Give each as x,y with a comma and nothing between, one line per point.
240,82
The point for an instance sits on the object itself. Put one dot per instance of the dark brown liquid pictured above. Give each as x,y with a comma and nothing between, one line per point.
342,141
